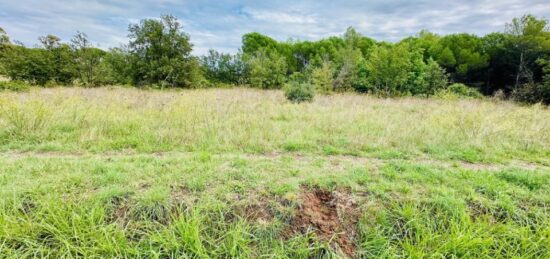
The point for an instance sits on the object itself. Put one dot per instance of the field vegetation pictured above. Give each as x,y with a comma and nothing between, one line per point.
126,172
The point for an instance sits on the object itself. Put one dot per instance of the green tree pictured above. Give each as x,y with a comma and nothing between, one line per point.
224,68
446,58
267,69
323,77
117,66
463,56
253,42
388,68
4,42
28,64
4,38
162,53
61,59
349,58
529,38
435,78
88,60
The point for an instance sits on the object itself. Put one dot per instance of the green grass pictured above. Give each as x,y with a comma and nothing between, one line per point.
222,173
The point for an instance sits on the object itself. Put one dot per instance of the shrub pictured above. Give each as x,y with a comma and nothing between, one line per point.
297,92
322,77
535,92
532,93
267,69
14,86
435,78
459,91
388,68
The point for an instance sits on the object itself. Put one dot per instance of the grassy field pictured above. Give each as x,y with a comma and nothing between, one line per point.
116,172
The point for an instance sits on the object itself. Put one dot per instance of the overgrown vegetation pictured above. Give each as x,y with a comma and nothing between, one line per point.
14,86
124,172
511,63
298,92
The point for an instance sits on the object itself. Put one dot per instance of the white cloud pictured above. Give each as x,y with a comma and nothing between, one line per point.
221,24
281,17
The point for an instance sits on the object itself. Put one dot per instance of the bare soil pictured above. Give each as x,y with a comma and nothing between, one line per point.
332,216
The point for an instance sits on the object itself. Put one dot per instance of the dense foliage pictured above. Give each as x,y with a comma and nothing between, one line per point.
298,92
513,62
161,53
16,86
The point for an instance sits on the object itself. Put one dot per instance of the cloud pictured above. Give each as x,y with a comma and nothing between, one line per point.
221,24
280,17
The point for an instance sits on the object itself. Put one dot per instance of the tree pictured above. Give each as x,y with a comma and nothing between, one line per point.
428,43
49,41
545,85
161,53
355,40
463,56
267,69
28,64
346,76
435,78
87,59
530,37
253,42
4,42
349,57
117,66
323,76
446,58
388,68
61,59
4,39
224,68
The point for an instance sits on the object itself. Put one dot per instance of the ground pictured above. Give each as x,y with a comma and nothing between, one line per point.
123,172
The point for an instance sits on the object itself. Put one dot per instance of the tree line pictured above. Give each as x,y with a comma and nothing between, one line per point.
513,63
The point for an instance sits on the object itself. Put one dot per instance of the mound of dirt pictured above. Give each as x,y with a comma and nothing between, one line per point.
332,216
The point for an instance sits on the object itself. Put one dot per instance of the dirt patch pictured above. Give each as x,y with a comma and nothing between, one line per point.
120,210
477,210
332,216
260,212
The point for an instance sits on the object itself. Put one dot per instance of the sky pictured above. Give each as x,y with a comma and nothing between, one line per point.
220,24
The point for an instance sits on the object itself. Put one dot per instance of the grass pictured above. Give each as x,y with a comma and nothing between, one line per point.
115,172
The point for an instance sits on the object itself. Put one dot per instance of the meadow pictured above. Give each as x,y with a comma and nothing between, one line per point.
217,173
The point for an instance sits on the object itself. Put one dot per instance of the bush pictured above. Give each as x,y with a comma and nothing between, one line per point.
435,78
532,93
459,91
322,77
14,86
267,69
297,92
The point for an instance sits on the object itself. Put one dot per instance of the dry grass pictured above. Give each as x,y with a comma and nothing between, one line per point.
254,121
227,173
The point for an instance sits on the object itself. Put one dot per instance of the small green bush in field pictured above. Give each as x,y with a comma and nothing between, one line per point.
459,91
297,92
14,86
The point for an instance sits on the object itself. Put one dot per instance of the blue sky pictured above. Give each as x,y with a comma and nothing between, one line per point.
220,24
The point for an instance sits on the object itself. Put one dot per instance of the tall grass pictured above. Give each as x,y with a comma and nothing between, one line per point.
128,173
252,121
